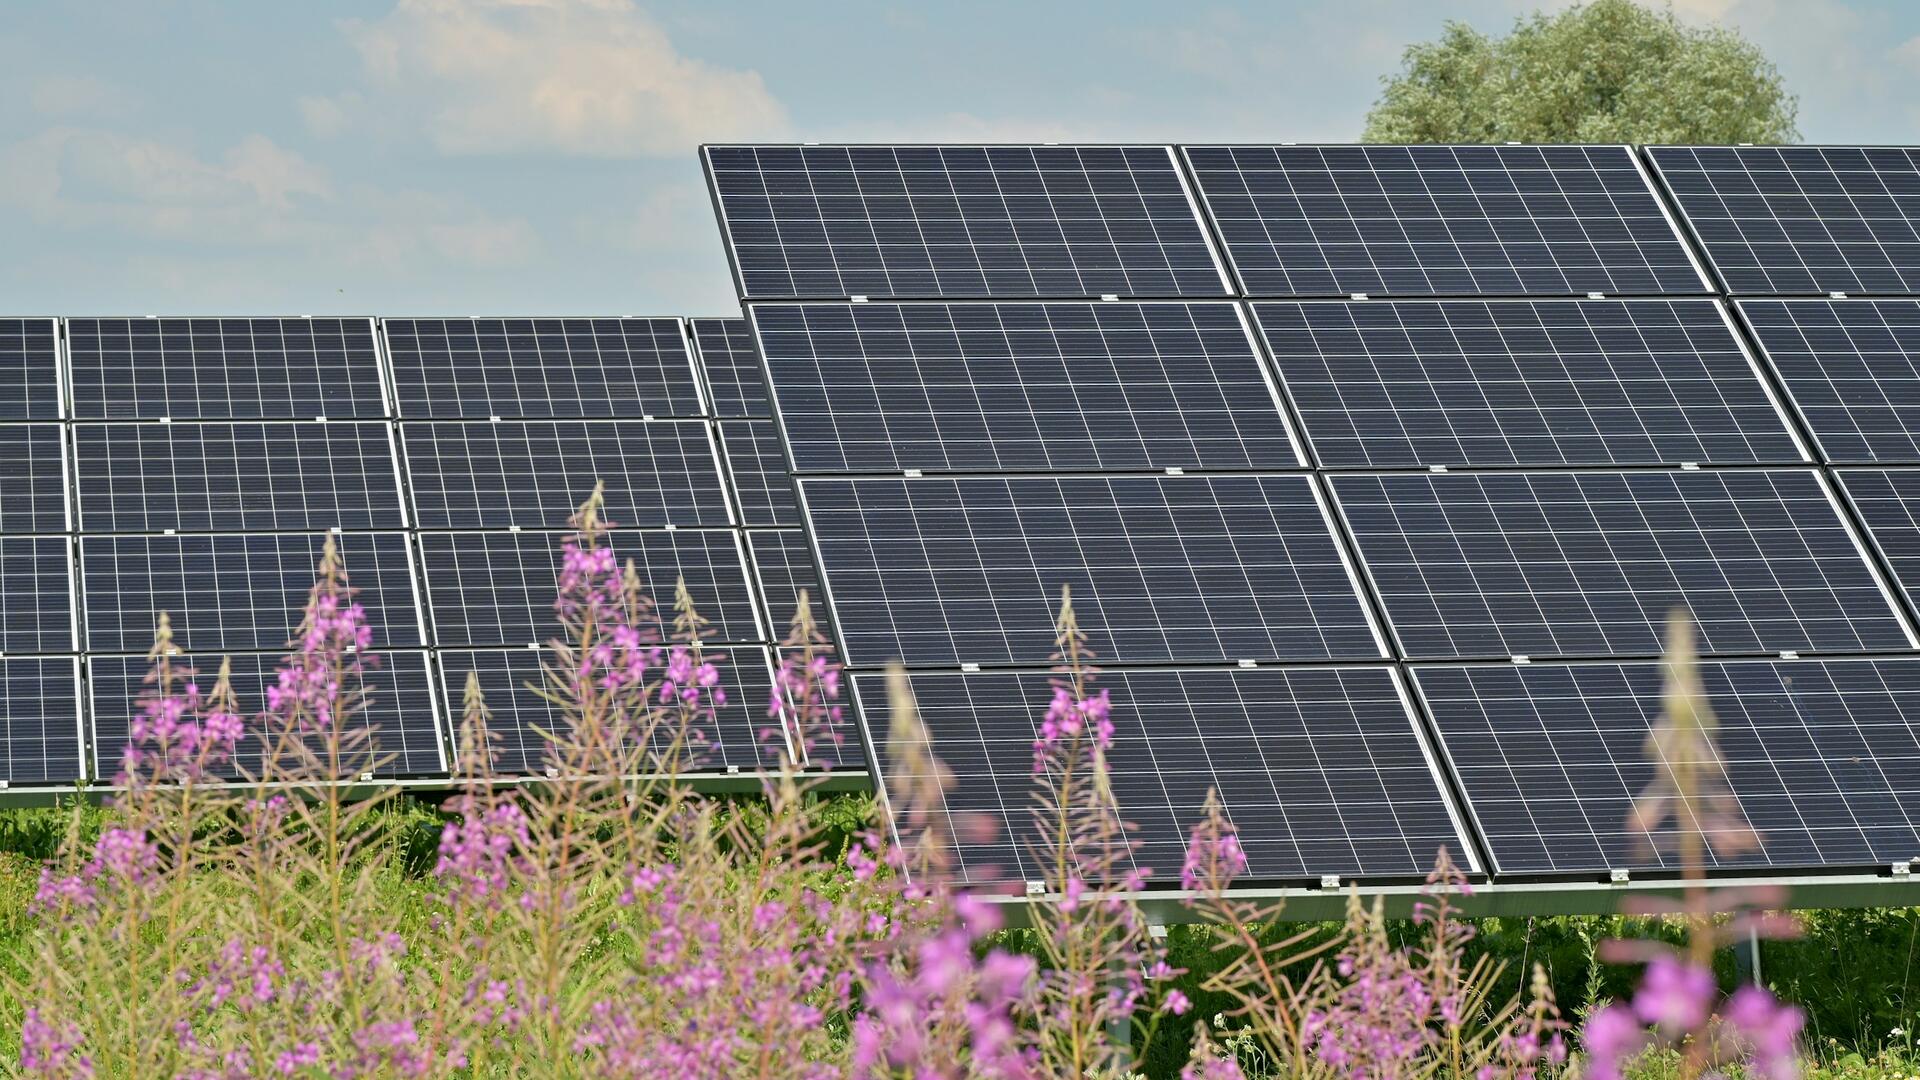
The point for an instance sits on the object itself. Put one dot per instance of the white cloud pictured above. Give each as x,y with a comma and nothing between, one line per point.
256,196
596,77
324,116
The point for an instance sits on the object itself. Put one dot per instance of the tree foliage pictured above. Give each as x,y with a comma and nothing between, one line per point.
1609,71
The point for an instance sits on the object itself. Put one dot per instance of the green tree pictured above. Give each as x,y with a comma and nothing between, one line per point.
1609,71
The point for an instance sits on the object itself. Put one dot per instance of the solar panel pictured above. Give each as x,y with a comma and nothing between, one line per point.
498,588
1852,368
249,476
30,361
36,595
1386,384
1801,219
1162,568
541,368
1889,505
39,720
236,591
955,221
1320,769
735,384
731,738
1590,563
782,567
401,712
1822,755
536,473
33,478
889,387
1441,220
224,369
757,465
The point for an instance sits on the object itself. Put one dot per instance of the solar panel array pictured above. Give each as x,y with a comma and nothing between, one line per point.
1379,539
196,466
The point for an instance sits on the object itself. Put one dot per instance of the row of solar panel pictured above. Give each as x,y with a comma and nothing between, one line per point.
1325,770
1377,384
949,222
293,474
47,734
305,368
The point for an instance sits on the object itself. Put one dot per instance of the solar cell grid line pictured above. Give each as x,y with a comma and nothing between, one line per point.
1801,220
266,476
1309,221
225,369
1400,383
737,735
782,567
757,468
36,595
1322,770
541,368
403,710
498,588
905,222
981,387
1822,756
40,721
1851,369
30,386
1588,564
33,478
237,591
1193,568
735,385
1888,502
535,473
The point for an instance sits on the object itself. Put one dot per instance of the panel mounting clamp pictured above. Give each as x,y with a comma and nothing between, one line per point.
1617,877
1789,654
1836,295
1357,296
1175,470
1902,869
1249,663
970,668
1109,298
1521,658
856,299
912,474
1036,888
1596,296
1329,882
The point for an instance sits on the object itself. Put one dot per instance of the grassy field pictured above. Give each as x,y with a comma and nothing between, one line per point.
1853,971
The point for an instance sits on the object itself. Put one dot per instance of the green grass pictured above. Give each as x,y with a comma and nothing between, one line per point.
1856,973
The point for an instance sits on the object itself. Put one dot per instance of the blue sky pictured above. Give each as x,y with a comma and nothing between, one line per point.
537,156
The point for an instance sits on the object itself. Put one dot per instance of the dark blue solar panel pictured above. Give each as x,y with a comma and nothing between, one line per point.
1590,563
400,711
981,387
1822,756
224,369
1801,219
1852,368
1320,769
1889,504
1441,220
1173,568
952,221
36,595
267,476
757,466
541,368
735,384
1386,384
731,737
236,591
783,567
29,370
536,473
39,720
498,588
33,478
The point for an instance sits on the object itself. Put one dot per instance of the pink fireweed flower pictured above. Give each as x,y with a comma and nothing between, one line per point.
1068,718
1214,856
477,851
1674,996
52,1048
1611,1037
